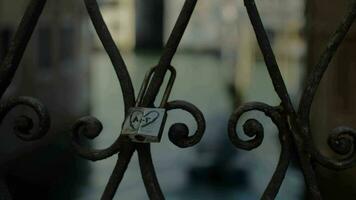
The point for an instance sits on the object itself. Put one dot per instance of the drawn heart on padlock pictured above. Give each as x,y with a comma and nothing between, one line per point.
135,119
149,118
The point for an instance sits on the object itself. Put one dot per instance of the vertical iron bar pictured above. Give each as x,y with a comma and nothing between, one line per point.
268,55
19,43
122,163
169,51
280,88
113,52
148,172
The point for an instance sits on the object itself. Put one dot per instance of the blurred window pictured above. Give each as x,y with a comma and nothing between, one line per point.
44,47
67,47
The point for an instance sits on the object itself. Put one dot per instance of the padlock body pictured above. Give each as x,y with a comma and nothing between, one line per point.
145,125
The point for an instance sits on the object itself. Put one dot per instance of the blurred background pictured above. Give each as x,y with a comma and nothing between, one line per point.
219,66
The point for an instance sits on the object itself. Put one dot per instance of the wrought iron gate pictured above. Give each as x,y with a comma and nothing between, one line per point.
293,125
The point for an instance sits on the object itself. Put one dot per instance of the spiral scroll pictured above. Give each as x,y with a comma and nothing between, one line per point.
9,66
341,141
292,125
23,124
179,133
91,127
254,129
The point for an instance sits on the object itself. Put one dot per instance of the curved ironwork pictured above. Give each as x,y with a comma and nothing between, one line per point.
179,133
91,127
254,129
23,125
294,126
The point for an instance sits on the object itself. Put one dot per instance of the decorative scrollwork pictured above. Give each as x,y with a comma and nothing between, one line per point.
341,141
252,128
23,124
9,66
295,126
23,127
91,127
179,133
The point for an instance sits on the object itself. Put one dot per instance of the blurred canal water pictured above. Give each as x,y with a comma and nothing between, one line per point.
203,80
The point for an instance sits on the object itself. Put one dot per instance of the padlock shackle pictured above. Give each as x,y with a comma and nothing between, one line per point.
169,87
147,80
143,88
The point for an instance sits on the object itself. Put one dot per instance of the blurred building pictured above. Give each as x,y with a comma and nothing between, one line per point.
55,70
223,28
334,102
119,16
284,22
204,30
55,66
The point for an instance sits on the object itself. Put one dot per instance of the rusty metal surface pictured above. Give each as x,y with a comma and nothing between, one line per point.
293,125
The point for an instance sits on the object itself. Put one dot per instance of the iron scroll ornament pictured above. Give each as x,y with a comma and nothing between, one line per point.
294,126
23,124
90,127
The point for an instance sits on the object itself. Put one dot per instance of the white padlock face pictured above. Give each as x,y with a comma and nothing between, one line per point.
144,125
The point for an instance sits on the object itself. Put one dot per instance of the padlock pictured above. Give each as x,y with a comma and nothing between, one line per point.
145,125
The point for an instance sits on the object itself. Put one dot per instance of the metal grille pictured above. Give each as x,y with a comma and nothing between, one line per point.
294,126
